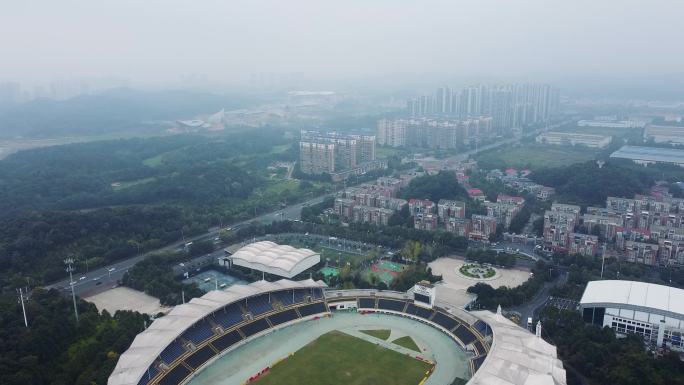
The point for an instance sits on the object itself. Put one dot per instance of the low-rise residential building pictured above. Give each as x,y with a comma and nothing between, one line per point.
421,206
558,227
641,252
503,212
450,209
583,244
427,222
481,227
476,194
458,226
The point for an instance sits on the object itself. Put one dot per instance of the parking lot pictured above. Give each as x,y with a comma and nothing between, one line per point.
562,303
213,279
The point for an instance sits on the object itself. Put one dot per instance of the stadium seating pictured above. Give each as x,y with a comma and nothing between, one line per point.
477,362
149,375
283,316
175,376
285,297
479,348
229,316
227,340
312,309
465,335
258,305
444,321
199,332
255,327
196,359
367,303
482,327
300,295
173,351
317,293
419,311
390,304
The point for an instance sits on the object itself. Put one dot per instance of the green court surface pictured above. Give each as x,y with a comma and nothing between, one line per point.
407,342
382,334
330,271
336,358
386,270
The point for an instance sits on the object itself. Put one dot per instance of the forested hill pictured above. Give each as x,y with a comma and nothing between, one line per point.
588,184
104,201
112,111
184,168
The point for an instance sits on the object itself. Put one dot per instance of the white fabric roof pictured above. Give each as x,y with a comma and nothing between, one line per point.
270,257
642,296
147,345
517,357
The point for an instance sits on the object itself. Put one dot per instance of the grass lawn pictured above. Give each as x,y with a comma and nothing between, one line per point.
382,334
336,358
407,342
535,156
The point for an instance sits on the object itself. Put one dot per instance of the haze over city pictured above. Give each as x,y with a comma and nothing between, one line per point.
400,42
306,192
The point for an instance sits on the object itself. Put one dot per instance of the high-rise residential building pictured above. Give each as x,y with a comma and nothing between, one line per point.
332,152
316,158
510,106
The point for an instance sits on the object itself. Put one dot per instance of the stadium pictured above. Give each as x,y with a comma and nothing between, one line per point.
655,312
293,332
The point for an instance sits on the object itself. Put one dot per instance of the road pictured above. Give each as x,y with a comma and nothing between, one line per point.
107,276
529,308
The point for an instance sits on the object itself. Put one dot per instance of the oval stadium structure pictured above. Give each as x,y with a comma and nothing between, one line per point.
176,348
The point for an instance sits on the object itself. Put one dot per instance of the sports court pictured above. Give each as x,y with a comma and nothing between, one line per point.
330,271
249,359
125,298
386,270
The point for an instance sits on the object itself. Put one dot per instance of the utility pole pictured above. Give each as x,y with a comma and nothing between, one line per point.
69,262
23,308
603,259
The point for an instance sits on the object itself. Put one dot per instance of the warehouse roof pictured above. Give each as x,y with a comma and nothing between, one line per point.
642,296
650,154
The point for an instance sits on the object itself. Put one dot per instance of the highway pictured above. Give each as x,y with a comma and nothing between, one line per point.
106,277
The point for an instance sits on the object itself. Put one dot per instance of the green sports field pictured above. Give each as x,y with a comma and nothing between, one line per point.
337,358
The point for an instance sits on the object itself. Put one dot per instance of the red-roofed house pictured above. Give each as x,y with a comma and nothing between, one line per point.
476,194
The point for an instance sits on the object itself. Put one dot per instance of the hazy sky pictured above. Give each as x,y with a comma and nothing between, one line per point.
159,40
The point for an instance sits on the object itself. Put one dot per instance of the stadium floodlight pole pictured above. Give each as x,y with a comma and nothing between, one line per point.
23,308
603,259
69,262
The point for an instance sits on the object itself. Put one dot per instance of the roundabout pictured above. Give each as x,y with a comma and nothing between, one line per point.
478,272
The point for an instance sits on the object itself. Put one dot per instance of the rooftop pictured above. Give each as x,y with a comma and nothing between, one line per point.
658,299
651,154
270,257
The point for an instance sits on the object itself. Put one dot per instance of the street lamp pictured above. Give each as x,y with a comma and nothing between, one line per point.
69,262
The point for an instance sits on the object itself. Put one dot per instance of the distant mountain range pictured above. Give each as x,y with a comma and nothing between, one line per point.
115,110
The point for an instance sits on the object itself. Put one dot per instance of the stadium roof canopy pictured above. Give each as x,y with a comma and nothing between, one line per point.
147,346
517,357
281,260
641,296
